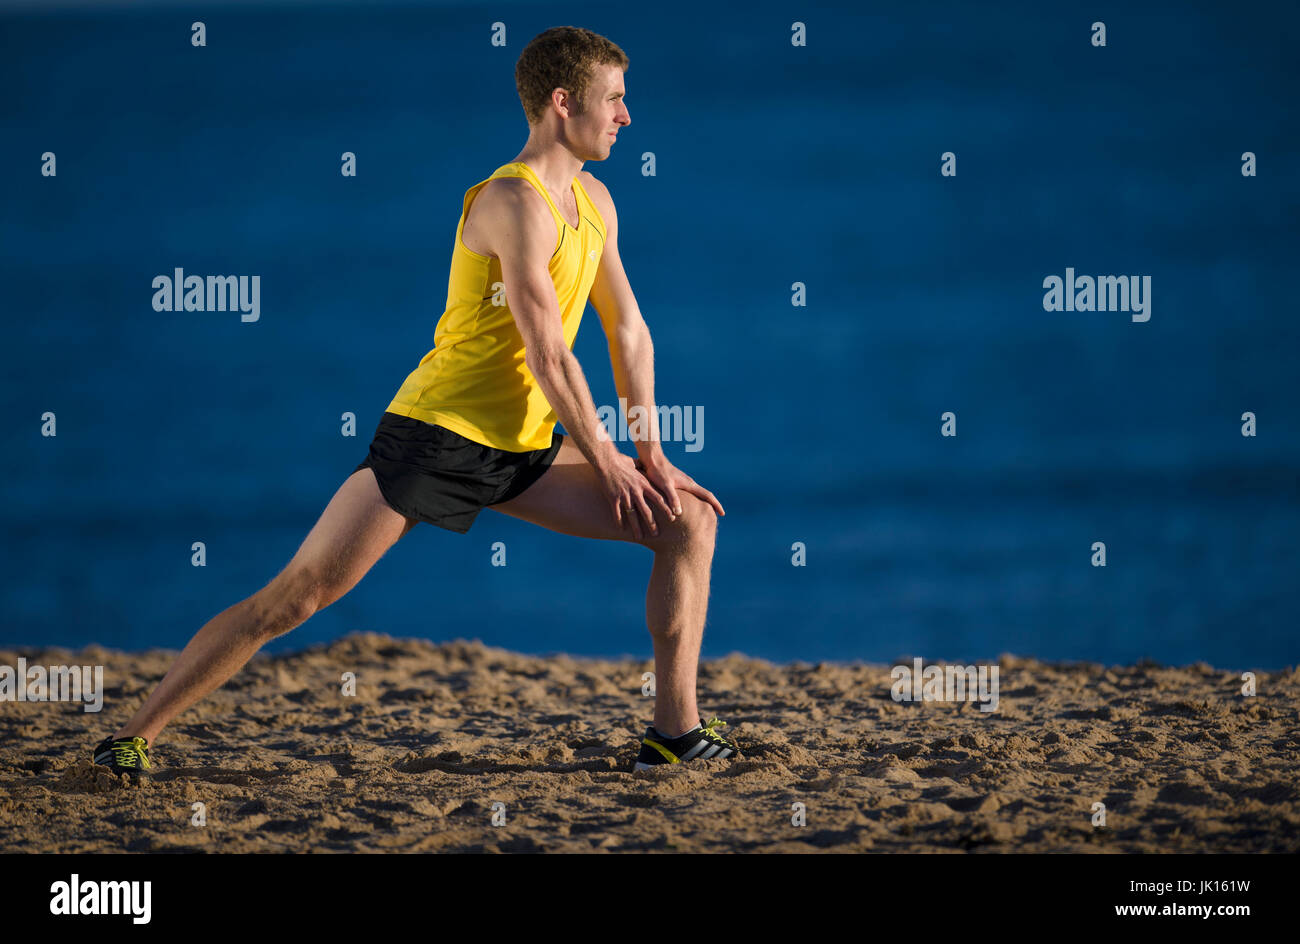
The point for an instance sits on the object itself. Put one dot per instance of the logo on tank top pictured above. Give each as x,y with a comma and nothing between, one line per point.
591,254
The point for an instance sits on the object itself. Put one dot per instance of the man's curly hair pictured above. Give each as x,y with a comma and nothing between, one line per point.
562,57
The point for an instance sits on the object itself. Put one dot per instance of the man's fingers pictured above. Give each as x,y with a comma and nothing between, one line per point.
660,500
665,494
648,514
633,518
672,504
700,491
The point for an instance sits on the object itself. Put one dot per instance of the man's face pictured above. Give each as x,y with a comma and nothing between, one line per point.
603,116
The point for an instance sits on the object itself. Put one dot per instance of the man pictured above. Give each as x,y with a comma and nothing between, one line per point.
473,426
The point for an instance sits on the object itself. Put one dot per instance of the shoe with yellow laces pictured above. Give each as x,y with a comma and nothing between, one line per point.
700,743
128,756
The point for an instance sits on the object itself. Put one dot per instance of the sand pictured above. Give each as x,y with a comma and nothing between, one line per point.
436,735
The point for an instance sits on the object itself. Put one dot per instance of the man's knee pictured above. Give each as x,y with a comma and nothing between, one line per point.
694,528
290,600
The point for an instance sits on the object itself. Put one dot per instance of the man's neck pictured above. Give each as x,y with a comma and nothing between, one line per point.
555,166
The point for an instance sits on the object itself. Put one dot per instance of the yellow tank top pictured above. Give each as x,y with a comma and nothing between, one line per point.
474,381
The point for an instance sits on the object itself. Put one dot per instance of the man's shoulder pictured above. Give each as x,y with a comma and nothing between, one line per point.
507,189
512,197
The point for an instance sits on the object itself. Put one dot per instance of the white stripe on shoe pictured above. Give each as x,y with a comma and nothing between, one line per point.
700,745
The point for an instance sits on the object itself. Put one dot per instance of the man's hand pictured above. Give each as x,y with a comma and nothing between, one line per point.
667,479
630,493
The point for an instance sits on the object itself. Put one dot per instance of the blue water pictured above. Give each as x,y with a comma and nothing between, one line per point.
775,164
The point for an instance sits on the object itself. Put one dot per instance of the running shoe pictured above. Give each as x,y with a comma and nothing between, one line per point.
701,742
128,756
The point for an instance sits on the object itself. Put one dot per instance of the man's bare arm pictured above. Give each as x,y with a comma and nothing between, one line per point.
631,352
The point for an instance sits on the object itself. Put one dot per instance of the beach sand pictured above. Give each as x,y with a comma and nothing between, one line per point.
437,734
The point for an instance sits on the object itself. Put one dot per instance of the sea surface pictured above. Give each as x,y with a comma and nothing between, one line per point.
773,164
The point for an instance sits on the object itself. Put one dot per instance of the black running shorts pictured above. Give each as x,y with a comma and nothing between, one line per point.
430,473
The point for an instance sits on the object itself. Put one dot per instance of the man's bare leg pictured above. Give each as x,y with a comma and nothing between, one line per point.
355,530
568,498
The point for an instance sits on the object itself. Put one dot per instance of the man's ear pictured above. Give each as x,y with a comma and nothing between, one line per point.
564,99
